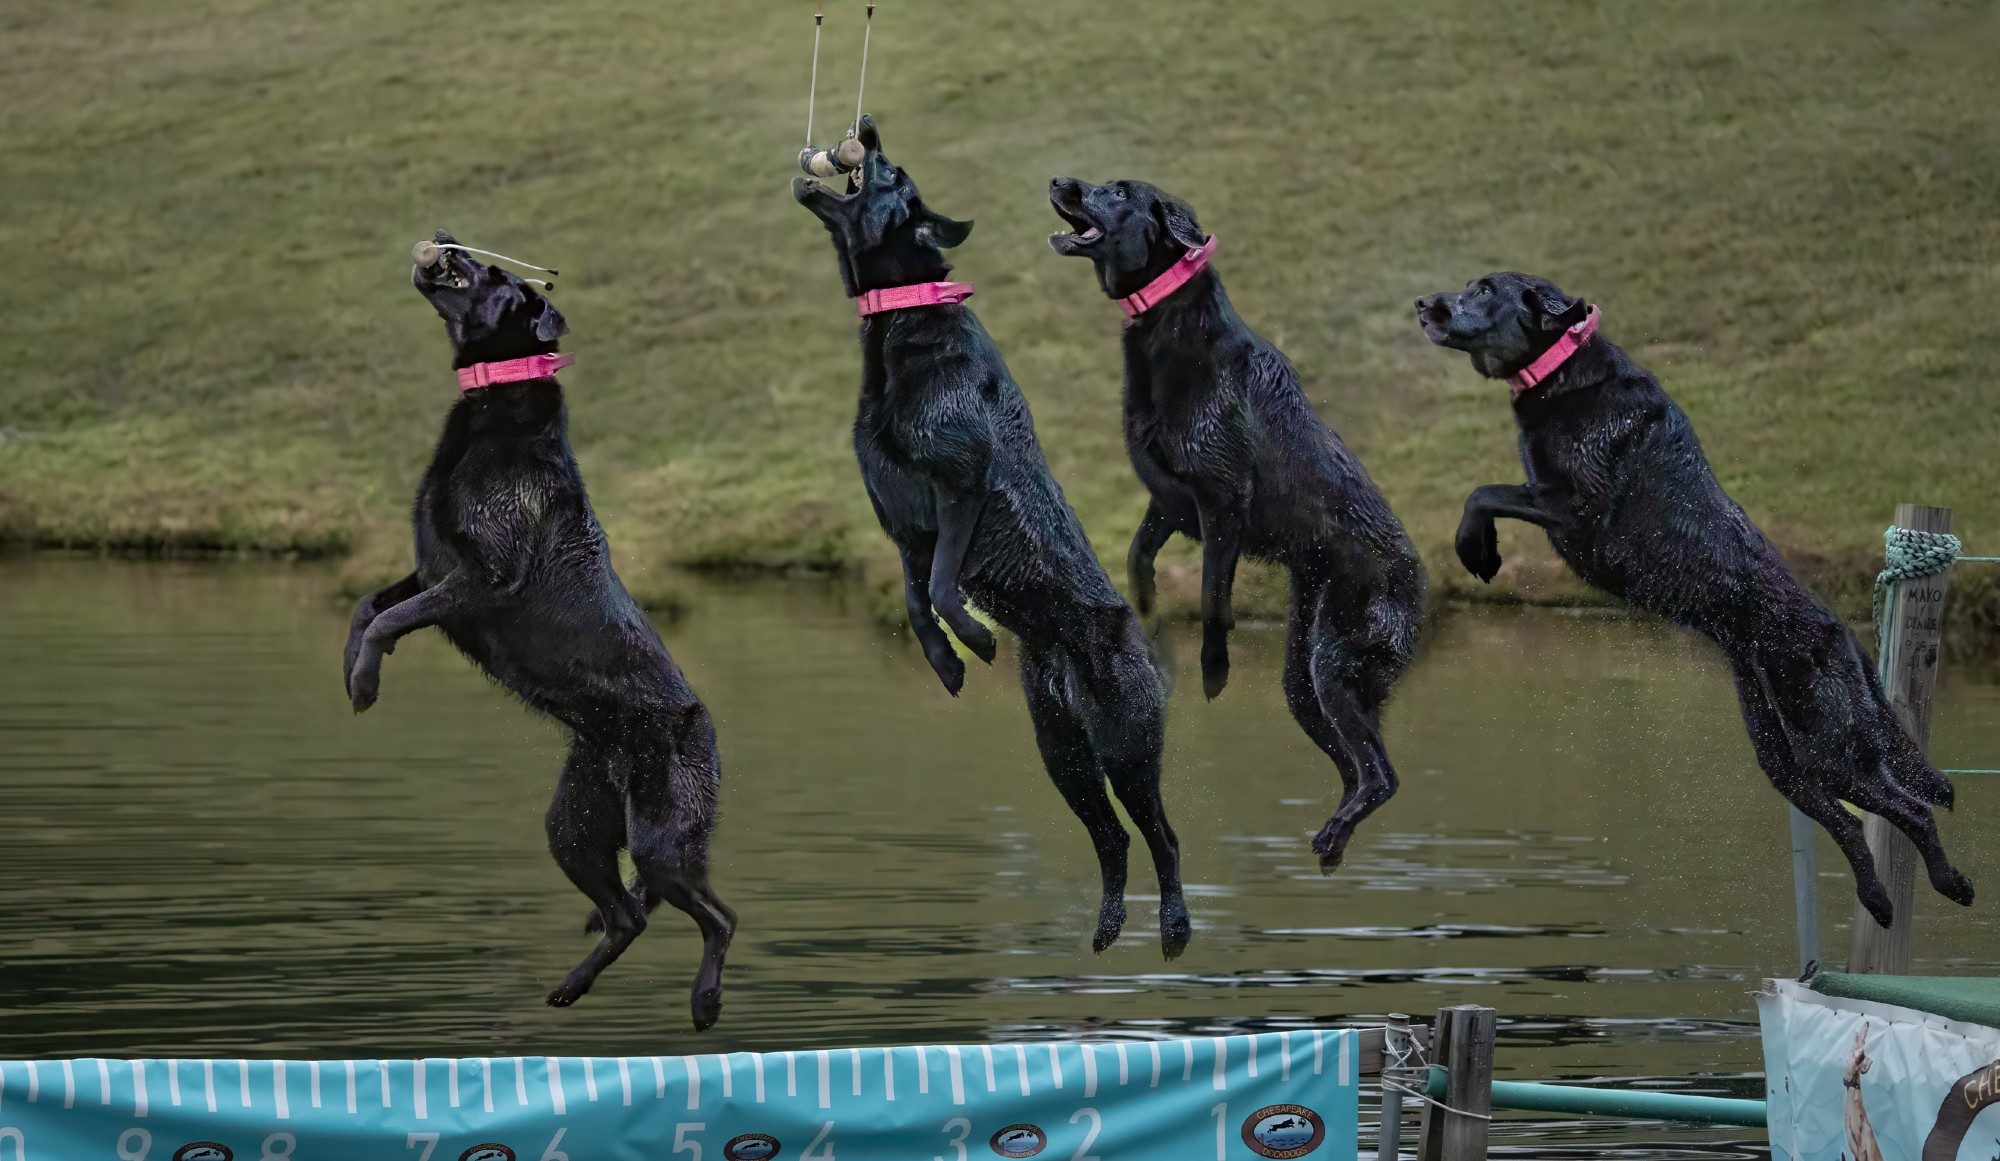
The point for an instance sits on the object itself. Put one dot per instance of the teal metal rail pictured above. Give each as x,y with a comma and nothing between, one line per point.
1612,1102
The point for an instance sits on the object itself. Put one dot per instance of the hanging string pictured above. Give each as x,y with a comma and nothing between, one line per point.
819,18
867,30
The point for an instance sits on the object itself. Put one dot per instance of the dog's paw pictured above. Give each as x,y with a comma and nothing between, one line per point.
706,1007
1140,577
1110,921
980,640
571,989
1955,887
1175,929
1478,549
950,670
1876,900
1214,662
1330,844
364,684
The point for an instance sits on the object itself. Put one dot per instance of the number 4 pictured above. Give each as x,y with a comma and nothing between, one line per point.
823,1142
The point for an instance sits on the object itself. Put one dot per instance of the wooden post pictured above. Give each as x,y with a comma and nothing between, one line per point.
1461,1041
1395,1046
1908,666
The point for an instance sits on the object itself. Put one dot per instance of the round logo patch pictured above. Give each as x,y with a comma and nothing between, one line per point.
751,1147
1020,1141
487,1152
204,1151
1283,1131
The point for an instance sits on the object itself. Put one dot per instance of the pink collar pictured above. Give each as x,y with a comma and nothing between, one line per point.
511,371
905,297
1192,263
1557,355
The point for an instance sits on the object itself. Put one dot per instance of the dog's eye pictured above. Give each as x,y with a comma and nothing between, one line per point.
1118,192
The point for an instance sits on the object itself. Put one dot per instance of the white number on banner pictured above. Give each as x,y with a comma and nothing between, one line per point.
552,1153
276,1142
963,1128
9,1133
1083,1152
823,1142
428,1140
1221,1113
682,1144
134,1144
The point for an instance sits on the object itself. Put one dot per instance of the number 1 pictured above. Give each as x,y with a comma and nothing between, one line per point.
1221,1135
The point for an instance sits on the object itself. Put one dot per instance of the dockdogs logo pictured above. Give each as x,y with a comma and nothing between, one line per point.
1283,1131
1020,1141
487,1152
204,1151
751,1147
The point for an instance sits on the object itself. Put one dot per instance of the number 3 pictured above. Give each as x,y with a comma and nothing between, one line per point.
964,1128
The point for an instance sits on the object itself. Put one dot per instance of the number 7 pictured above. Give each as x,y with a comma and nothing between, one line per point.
428,1140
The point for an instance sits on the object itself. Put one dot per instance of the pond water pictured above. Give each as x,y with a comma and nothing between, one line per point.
204,852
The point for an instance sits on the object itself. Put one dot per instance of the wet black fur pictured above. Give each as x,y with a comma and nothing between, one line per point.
1235,457
1618,480
950,460
512,566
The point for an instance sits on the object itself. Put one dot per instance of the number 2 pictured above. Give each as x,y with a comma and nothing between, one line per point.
682,1144
1083,1152
964,1129
428,1140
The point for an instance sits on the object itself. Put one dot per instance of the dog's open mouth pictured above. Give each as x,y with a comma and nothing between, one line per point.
1084,232
1435,318
441,267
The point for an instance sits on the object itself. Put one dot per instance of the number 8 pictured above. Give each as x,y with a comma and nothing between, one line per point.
127,1151
271,1144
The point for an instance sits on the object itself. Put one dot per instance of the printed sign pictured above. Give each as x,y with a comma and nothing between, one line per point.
1850,1080
1235,1098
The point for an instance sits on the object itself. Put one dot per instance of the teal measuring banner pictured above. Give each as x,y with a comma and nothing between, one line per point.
1234,1098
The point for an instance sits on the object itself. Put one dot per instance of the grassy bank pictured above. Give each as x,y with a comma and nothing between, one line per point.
1786,209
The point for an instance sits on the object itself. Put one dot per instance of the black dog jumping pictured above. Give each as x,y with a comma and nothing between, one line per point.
1235,457
1617,479
950,460
512,566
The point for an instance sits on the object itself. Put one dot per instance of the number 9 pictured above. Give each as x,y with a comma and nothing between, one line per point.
134,1144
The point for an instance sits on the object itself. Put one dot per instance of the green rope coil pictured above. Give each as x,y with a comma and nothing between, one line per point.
1908,554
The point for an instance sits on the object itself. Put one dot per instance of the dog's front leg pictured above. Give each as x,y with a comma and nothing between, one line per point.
923,622
1221,545
365,612
391,625
1478,542
1154,532
958,518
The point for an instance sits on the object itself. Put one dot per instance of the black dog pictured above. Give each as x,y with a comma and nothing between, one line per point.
949,456
1618,480
512,565
1235,457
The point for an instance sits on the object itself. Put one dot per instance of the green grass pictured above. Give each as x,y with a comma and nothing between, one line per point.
1785,208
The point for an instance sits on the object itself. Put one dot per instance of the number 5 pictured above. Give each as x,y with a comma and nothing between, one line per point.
964,1129
682,1144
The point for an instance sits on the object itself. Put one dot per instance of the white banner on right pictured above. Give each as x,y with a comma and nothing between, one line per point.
1856,1080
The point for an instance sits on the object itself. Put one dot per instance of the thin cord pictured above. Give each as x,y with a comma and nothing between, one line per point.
1402,1066
819,18
866,31
501,257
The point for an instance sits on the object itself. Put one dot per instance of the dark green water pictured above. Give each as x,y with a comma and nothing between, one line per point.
202,851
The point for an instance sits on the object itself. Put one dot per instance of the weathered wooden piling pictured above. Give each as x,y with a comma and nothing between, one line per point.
1461,1042
1913,627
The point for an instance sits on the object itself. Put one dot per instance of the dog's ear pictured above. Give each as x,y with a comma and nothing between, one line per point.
496,305
934,229
1176,217
549,323
1553,310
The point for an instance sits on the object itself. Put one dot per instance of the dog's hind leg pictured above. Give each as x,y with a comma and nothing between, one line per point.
1322,689
1778,752
593,923
1124,713
586,827
1913,818
671,814
1053,685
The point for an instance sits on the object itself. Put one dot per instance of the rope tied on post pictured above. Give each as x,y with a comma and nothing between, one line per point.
1911,554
